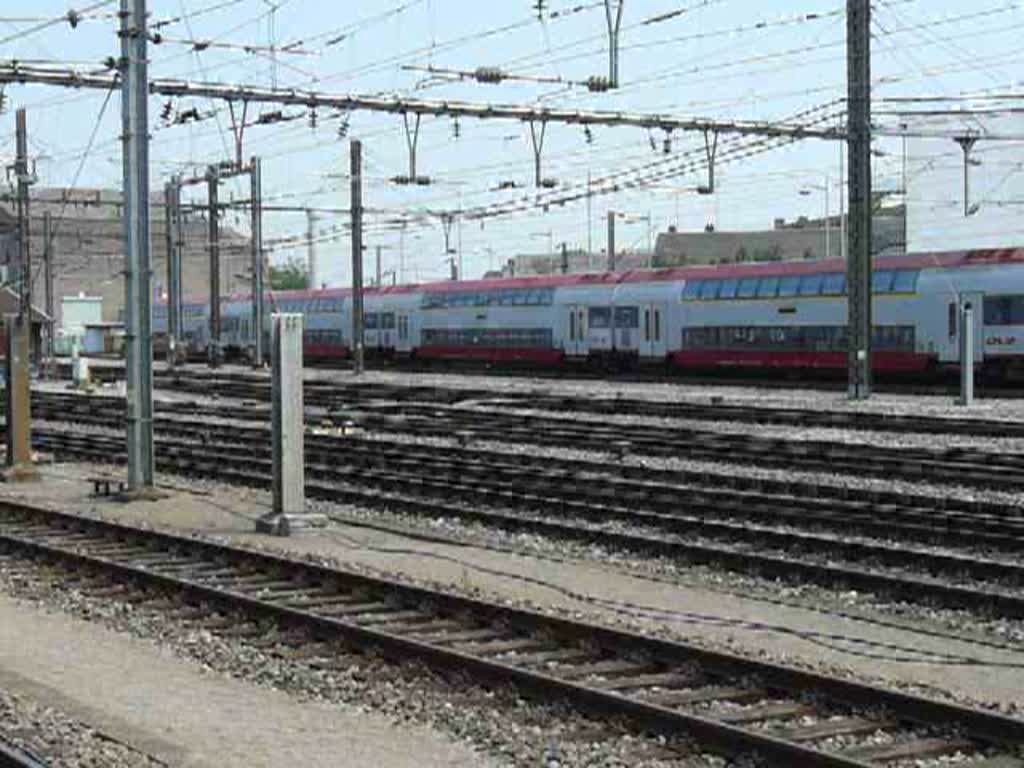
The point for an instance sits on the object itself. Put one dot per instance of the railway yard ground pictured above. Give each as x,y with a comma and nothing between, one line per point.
521,572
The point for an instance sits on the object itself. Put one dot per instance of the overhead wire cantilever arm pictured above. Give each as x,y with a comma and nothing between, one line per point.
538,150
711,147
412,138
614,18
238,129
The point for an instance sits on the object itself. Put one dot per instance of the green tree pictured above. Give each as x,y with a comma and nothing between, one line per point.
290,276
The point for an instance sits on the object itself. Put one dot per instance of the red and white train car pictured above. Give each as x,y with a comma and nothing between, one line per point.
785,315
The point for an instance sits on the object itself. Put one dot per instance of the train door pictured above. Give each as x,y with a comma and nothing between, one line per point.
654,342
576,338
402,343
386,336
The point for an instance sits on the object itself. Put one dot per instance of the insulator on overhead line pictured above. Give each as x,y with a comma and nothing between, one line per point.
549,183
74,17
598,84
491,75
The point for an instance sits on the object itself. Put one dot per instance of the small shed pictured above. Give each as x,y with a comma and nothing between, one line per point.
103,339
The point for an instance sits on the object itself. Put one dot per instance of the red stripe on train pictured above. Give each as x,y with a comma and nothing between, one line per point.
896,362
492,354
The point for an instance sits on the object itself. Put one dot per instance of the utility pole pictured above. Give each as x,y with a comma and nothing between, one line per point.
611,241
565,259
357,255
172,204
138,277
256,179
312,267
858,42
213,186
48,280
21,169
19,333
174,297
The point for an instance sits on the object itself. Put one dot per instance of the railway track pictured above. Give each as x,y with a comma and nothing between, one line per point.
968,467
13,757
717,702
335,395
914,519
553,503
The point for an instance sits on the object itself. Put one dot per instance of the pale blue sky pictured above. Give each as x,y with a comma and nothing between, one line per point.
722,58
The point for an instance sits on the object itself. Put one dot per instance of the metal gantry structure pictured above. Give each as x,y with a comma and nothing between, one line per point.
132,77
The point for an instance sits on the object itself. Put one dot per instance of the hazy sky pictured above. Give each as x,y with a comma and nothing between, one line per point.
730,59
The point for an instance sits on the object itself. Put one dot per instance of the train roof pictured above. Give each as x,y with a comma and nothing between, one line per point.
930,260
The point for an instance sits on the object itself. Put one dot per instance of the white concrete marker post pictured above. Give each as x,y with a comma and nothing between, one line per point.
967,355
289,431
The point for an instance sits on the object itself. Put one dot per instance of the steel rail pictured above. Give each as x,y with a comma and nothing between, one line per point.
265,585
243,466
107,411
14,757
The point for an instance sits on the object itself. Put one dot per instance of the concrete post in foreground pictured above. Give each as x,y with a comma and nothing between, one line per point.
289,431
967,355
138,272
19,417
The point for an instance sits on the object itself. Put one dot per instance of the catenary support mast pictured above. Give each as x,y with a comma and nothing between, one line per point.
138,270
858,13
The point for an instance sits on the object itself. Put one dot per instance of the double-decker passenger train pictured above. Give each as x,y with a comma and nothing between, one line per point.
780,315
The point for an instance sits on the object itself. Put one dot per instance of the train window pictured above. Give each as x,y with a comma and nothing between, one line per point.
788,286
748,288
768,288
709,290
692,290
600,317
657,325
572,325
627,317
729,288
881,281
952,319
810,285
647,324
387,321
905,281
834,284
370,321
1004,310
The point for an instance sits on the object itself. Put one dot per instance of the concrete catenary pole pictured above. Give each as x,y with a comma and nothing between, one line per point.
213,186
138,270
174,314
858,18
312,264
21,170
19,333
611,241
357,255
172,201
256,179
48,281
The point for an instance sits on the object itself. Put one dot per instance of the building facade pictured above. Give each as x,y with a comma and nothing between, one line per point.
88,256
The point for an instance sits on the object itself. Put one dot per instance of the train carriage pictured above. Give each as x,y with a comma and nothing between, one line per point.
784,315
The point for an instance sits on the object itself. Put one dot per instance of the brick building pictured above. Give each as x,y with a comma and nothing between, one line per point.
88,253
